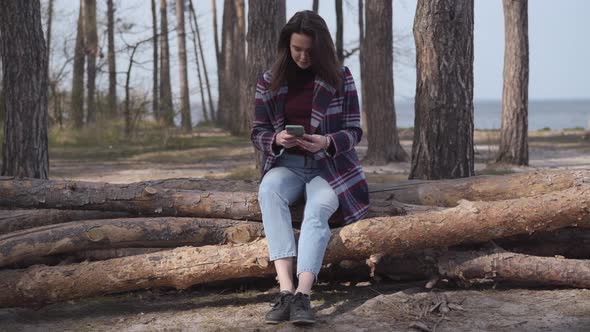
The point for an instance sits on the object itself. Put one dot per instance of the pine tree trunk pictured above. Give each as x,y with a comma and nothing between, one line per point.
183,267
185,106
91,53
112,98
443,127
77,103
155,99
24,90
315,6
264,26
16,220
218,62
123,233
196,46
383,139
166,108
226,90
514,147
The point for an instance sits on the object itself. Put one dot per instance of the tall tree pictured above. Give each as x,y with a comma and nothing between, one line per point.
228,34
384,145
49,27
514,146
196,45
315,5
443,127
265,20
185,107
218,59
24,70
238,73
77,103
91,53
155,100
112,97
339,31
166,108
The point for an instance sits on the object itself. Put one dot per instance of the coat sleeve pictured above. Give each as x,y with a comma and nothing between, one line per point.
263,134
351,133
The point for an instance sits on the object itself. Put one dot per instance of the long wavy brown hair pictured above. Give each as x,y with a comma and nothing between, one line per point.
324,61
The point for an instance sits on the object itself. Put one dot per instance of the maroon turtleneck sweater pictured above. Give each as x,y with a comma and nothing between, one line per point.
298,102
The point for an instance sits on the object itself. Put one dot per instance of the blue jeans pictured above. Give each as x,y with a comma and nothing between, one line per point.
292,177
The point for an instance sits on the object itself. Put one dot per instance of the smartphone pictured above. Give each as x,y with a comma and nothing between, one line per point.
295,130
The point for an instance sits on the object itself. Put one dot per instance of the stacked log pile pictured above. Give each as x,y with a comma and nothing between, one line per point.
62,240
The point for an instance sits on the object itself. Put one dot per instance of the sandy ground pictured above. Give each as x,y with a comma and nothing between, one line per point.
366,306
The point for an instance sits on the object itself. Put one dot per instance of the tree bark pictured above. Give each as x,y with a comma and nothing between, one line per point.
382,136
183,267
218,60
500,265
264,25
77,103
443,127
479,188
155,101
16,220
315,5
112,98
166,108
123,233
91,49
139,199
239,110
226,94
185,106
24,90
514,146
193,24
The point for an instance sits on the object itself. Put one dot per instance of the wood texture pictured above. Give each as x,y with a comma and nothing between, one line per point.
186,266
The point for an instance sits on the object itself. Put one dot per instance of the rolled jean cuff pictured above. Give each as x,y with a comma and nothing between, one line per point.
284,255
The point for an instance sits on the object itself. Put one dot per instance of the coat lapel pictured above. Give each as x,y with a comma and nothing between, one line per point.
322,96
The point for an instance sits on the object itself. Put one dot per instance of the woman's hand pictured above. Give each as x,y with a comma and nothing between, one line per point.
285,139
313,143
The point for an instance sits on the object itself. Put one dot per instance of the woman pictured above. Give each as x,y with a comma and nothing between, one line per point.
306,86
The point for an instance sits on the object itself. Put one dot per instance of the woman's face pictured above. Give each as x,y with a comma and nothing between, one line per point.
300,47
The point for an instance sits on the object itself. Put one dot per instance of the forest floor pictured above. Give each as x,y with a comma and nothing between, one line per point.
368,305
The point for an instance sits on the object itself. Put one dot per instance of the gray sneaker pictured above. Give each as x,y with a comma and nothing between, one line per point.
301,313
280,309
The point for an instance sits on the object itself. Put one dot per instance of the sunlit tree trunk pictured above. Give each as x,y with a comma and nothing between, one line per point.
185,106
514,146
226,99
112,98
25,85
384,145
166,108
91,53
443,127
77,103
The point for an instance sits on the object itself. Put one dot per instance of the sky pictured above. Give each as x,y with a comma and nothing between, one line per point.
558,44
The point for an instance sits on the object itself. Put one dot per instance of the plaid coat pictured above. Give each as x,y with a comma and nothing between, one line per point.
334,113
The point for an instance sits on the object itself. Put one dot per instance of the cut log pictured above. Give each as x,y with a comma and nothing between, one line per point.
186,266
139,199
500,265
480,188
16,220
121,233
568,242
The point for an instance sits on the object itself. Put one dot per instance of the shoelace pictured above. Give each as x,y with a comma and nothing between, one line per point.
301,302
280,300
